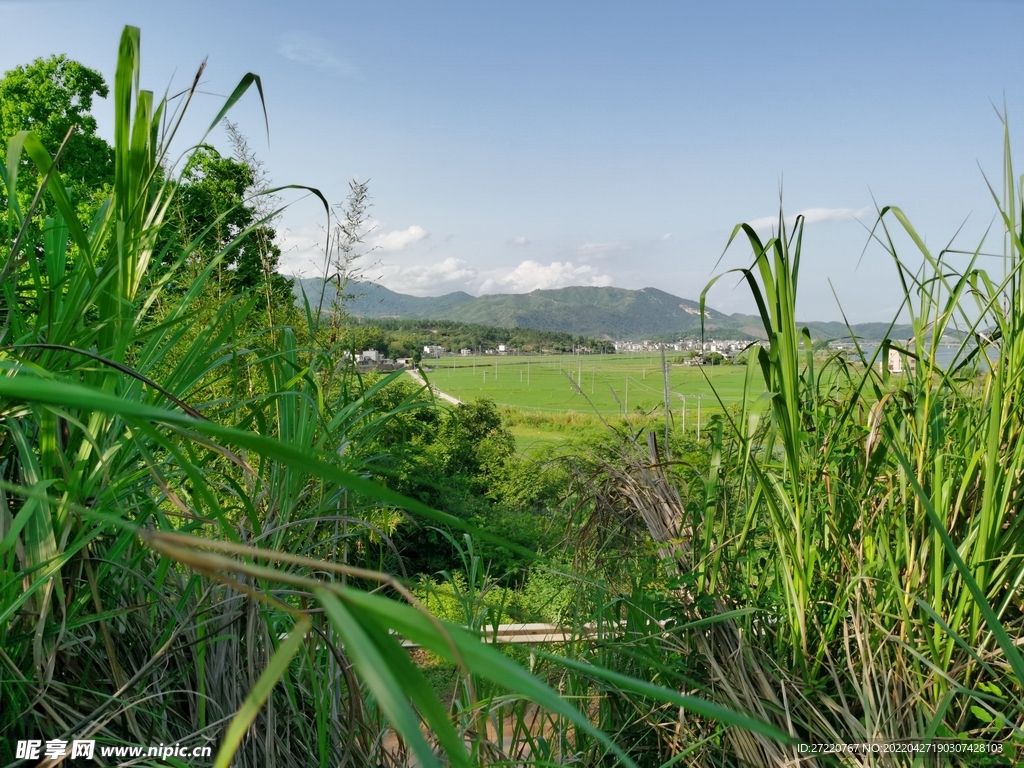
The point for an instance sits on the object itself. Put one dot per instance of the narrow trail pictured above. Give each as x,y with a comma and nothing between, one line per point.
437,393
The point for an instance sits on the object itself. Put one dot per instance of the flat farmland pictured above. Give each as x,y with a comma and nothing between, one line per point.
608,384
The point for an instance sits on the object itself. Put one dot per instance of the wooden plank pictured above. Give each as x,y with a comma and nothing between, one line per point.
530,634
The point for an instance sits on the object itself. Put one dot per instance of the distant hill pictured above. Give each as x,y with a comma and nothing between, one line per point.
610,313
831,329
373,300
590,311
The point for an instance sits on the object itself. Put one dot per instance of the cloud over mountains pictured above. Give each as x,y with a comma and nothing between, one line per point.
531,276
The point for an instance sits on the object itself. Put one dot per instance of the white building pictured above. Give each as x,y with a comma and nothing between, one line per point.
897,360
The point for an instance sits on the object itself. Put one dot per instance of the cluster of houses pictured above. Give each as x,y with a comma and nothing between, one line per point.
728,349
897,362
372,359
698,351
434,350
501,349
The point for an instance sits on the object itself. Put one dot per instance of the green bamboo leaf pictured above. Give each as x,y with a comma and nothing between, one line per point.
379,677
28,510
276,668
415,686
702,707
29,388
240,89
29,142
480,658
1006,644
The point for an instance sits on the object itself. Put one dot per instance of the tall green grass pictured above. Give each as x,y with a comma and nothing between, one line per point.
838,560
177,505
851,561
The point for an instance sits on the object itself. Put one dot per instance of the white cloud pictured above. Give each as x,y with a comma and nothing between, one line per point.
531,276
397,239
311,51
812,216
521,240
302,251
425,279
665,237
815,215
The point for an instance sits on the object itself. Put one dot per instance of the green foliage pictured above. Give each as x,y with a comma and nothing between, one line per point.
197,507
454,601
553,596
217,200
462,460
406,338
51,97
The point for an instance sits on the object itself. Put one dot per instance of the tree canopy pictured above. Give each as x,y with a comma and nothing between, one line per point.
51,96
214,201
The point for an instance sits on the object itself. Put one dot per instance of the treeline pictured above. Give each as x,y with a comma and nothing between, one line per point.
406,338
215,198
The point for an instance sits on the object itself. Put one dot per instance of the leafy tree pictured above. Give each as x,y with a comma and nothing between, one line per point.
214,204
210,203
52,96
475,441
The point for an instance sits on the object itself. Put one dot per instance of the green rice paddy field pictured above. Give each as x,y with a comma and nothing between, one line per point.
607,385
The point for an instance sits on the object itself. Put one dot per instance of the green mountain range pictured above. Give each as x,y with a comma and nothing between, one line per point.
609,313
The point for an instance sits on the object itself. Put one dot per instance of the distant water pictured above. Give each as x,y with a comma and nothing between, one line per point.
944,356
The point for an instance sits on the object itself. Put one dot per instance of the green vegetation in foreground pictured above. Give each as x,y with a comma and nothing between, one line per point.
197,501
213,530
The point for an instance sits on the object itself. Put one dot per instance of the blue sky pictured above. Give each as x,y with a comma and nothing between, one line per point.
513,146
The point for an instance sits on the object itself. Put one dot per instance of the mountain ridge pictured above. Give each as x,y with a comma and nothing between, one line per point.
599,312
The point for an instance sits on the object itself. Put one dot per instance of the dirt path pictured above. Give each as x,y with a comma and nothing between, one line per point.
437,393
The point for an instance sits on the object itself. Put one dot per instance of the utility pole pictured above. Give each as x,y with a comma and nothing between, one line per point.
668,402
